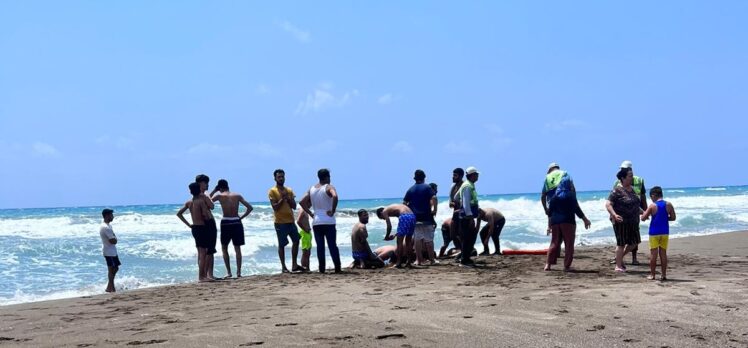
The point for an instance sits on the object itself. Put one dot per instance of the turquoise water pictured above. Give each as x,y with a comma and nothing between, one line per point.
56,252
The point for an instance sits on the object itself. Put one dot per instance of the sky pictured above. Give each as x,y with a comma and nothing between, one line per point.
112,103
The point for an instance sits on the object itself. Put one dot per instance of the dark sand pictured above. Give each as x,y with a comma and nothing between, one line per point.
508,302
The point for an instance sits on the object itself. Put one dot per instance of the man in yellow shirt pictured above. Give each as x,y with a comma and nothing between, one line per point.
283,202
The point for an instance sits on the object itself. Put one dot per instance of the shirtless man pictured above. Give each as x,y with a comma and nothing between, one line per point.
494,224
387,253
406,225
363,257
449,235
210,224
199,212
232,229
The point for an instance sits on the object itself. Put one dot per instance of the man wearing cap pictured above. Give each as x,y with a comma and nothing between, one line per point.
641,191
469,201
552,179
109,248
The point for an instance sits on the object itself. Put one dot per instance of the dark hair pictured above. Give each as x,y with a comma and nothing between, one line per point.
362,212
323,173
222,184
202,178
656,191
623,173
459,171
433,186
379,212
194,189
106,212
419,175
275,172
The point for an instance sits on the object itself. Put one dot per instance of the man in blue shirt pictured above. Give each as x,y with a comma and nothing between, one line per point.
419,200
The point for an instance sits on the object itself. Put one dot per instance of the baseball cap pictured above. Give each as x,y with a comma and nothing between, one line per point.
626,164
107,211
553,165
471,170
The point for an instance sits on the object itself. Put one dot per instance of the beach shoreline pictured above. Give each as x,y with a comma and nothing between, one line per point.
507,301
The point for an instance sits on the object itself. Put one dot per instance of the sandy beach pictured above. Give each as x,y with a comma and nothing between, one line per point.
508,301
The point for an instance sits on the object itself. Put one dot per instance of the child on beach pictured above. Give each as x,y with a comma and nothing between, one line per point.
109,247
662,212
305,231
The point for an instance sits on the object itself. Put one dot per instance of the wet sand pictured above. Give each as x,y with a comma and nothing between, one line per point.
507,301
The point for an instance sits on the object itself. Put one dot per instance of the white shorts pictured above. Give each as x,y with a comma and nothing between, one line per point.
425,232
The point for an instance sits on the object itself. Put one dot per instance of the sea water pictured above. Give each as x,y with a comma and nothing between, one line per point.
55,253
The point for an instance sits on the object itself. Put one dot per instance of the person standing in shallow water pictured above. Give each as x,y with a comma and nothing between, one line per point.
323,198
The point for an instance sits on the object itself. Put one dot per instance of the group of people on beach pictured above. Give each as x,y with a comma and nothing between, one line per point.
416,226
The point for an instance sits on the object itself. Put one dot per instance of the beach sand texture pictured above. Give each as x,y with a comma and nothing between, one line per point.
509,301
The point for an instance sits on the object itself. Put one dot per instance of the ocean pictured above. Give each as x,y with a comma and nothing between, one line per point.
54,253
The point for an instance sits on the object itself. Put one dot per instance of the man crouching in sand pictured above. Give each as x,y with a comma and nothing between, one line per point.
362,255
406,226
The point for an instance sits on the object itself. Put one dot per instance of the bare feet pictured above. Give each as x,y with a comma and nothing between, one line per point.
651,277
285,270
547,267
620,270
110,290
485,253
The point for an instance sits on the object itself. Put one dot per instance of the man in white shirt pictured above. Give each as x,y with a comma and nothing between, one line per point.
109,248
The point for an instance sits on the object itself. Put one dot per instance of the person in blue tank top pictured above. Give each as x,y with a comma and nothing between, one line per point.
662,213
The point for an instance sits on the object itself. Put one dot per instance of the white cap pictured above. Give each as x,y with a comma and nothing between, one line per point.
553,165
626,164
471,170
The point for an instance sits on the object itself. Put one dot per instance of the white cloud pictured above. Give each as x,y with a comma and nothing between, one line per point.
209,149
323,147
252,149
496,135
302,36
564,125
262,89
323,98
120,142
386,99
262,150
44,150
402,146
455,148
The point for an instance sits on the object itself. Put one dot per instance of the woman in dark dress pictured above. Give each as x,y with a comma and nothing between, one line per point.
625,208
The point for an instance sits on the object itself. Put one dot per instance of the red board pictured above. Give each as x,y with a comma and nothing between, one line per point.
524,252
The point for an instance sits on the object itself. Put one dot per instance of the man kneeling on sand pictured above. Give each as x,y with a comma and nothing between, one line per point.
362,255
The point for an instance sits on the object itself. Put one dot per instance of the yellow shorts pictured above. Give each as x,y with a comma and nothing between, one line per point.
659,241
306,240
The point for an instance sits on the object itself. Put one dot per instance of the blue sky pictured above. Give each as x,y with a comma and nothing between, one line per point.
105,103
